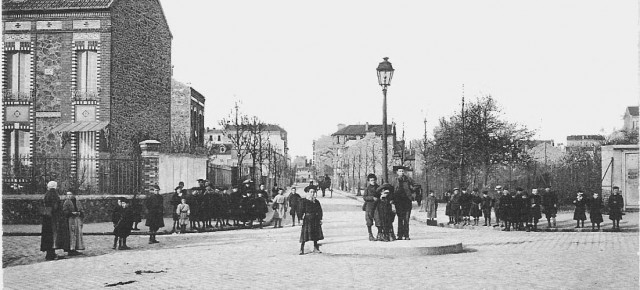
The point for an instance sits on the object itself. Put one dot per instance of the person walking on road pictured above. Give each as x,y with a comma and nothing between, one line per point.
50,215
616,203
261,208
496,206
370,198
74,213
431,206
402,190
294,205
550,206
175,201
155,210
595,211
312,222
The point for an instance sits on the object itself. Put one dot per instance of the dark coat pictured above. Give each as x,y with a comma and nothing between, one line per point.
384,215
506,207
50,220
524,207
535,201
155,211
465,203
595,210
125,218
369,198
402,191
616,202
312,222
260,207
549,204
579,213
475,211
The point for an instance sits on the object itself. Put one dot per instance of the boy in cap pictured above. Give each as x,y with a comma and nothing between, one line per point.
485,204
384,212
550,206
370,198
579,214
506,209
155,211
616,203
122,228
535,214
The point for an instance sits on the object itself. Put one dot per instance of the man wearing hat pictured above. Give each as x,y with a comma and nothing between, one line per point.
496,206
402,190
550,206
455,205
50,216
370,198
155,211
506,209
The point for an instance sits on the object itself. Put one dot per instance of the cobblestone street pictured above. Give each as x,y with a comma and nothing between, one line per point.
265,258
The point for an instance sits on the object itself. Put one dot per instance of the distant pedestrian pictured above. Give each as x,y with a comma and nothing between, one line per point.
183,211
465,206
122,227
506,209
312,224
235,200
371,198
74,213
524,210
50,214
550,206
261,208
534,212
116,214
475,211
455,206
136,211
447,209
579,212
155,210
431,206
294,205
616,203
486,204
595,211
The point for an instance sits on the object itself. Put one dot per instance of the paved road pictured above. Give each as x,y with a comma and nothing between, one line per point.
269,258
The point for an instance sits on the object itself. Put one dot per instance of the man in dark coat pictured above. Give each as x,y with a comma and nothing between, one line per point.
455,205
616,203
50,218
465,206
550,206
535,213
506,209
371,197
235,199
485,204
294,204
496,206
402,190
155,211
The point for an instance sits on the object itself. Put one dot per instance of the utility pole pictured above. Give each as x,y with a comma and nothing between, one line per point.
425,155
462,172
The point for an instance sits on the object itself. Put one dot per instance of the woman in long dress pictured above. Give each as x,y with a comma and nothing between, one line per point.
431,205
312,222
74,212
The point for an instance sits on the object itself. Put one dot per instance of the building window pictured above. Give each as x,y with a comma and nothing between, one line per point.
219,139
87,73
87,161
19,73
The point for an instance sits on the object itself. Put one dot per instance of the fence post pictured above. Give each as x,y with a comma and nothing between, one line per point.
150,163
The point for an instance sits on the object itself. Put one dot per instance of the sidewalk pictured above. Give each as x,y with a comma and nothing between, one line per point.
564,220
106,228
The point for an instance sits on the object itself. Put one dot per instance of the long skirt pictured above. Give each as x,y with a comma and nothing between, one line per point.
311,229
75,234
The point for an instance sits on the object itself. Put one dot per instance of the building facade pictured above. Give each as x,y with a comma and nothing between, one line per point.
187,114
630,119
83,80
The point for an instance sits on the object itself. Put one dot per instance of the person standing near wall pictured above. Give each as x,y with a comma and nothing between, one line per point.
155,211
402,190
74,213
50,215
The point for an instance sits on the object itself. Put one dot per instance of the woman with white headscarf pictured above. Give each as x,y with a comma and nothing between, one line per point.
74,213
312,221
50,214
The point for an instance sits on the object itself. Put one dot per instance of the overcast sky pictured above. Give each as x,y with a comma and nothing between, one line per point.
559,67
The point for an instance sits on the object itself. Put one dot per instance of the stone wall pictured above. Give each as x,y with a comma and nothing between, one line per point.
180,109
140,74
53,71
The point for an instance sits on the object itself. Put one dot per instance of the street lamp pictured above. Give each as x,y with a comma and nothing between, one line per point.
385,73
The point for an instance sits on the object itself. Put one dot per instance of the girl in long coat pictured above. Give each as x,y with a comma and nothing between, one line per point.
312,222
261,208
616,203
579,214
74,212
595,211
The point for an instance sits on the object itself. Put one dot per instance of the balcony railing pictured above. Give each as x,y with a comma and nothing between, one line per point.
11,95
78,95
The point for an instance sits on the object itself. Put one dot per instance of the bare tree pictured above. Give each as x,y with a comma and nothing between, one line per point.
236,128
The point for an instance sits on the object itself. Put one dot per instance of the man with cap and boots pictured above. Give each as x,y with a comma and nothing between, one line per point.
465,206
371,197
155,211
550,206
402,190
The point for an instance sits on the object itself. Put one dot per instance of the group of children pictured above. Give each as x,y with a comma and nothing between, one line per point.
522,211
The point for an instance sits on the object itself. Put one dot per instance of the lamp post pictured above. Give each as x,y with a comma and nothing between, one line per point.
385,73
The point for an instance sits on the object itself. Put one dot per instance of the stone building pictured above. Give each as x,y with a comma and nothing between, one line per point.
83,80
187,114
584,141
630,119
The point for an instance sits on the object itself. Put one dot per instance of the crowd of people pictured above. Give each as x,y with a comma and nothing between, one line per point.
61,223
521,211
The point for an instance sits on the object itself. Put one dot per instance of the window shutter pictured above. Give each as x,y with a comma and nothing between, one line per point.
92,71
25,72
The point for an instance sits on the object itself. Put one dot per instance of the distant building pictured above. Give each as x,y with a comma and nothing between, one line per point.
544,151
584,141
323,155
630,119
300,161
187,113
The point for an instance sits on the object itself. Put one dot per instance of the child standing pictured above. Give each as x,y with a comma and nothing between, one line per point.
595,211
183,211
260,208
579,213
124,224
616,204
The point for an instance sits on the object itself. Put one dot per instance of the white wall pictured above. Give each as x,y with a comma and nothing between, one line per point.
174,168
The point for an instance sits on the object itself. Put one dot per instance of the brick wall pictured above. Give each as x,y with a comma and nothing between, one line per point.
140,74
180,108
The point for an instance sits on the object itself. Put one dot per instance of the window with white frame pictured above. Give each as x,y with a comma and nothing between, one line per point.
87,72
19,73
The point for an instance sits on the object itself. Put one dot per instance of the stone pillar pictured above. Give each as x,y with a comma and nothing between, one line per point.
150,161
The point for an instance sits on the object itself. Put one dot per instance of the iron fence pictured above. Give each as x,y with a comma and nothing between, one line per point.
30,175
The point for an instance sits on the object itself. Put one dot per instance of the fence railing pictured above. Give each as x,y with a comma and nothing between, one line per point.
11,95
30,175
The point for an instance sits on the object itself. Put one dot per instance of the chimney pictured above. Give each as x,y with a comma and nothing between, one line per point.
366,127
341,126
